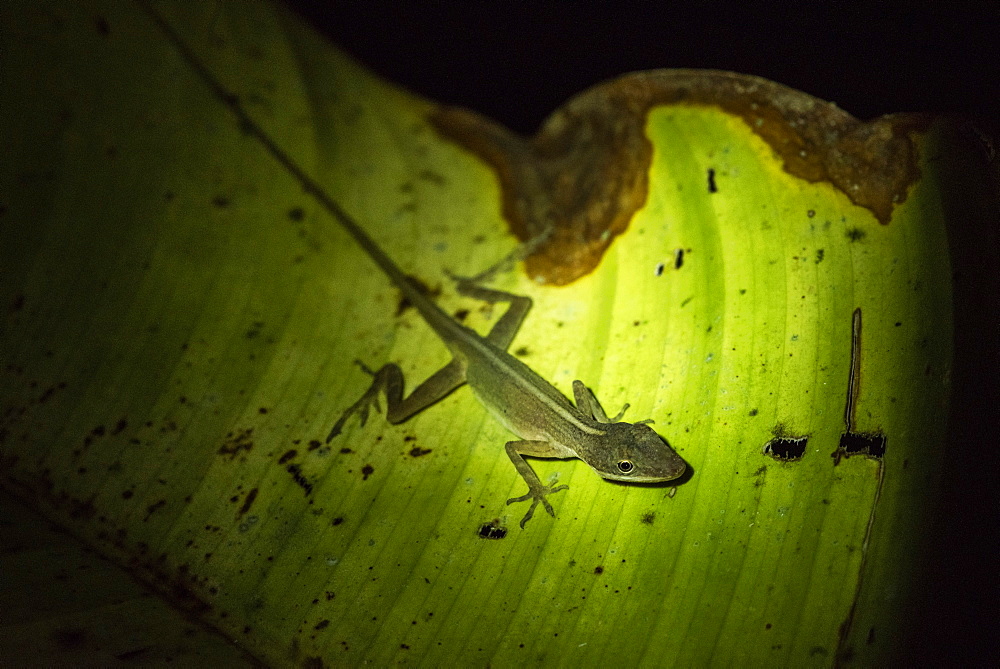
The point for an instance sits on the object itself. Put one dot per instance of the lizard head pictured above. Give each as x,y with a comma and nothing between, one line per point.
634,452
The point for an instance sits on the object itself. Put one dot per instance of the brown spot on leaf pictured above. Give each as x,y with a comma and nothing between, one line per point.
585,171
855,234
237,442
154,507
248,502
300,478
82,509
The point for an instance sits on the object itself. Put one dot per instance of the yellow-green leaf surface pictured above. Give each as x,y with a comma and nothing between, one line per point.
181,320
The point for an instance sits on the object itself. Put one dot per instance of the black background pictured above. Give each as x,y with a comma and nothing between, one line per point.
517,62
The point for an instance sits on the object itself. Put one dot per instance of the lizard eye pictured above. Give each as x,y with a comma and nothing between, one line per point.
625,466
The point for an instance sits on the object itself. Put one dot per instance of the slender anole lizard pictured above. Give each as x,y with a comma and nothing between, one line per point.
547,423
522,401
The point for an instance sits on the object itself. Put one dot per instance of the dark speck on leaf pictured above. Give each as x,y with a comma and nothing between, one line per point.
248,502
492,530
855,234
786,449
299,478
237,442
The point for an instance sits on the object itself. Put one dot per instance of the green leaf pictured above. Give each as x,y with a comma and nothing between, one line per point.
63,605
181,318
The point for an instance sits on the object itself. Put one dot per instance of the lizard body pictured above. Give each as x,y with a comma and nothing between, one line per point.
548,424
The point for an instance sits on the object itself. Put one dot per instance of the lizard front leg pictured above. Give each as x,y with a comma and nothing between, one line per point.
587,402
536,490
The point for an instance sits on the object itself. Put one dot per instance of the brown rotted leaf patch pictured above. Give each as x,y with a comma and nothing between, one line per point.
585,172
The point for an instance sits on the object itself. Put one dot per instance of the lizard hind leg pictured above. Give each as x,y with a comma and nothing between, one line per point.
519,253
505,329
389,379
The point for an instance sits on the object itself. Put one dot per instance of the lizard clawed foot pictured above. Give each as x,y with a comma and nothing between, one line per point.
537,494
361,407
621,413
367,370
